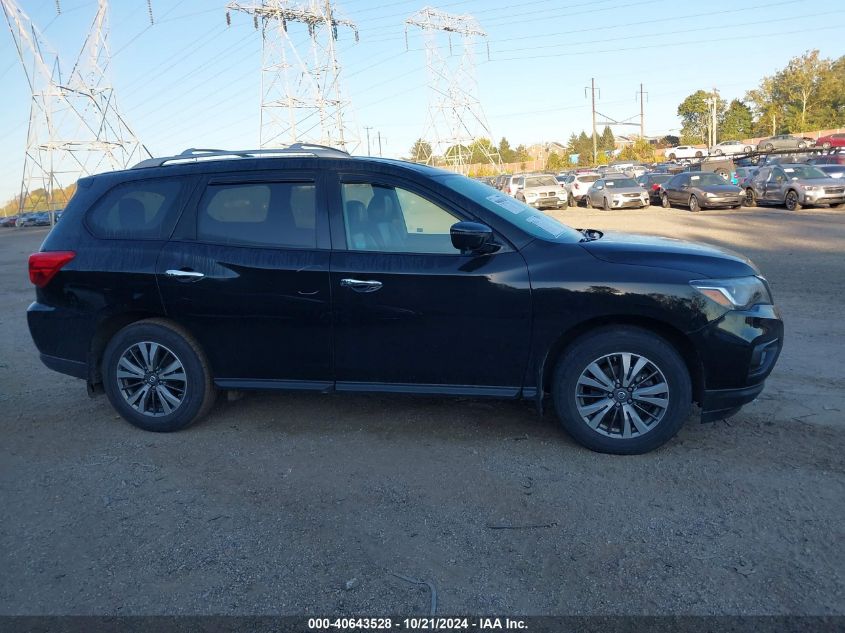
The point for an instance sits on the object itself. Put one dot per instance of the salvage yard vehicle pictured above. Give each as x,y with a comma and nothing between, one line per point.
542,191
577,185
308,269
794,185
616,192
700,190
728,148
684,151
652,182
784,141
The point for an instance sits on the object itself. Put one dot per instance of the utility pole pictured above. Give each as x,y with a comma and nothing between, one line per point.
379,144
715,107
592,90
642,112
368,128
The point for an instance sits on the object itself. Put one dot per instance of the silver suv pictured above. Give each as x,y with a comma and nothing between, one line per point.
793,185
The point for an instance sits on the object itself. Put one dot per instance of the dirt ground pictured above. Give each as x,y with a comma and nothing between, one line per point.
309,504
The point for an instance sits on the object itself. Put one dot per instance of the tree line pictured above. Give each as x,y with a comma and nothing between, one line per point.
807,94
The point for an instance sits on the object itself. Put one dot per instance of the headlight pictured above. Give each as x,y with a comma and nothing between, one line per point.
710,195
811,188
738,292
530,195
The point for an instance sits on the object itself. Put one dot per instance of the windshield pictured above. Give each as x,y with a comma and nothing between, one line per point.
706,180
622,182
535,223
587,178
540,181
804,172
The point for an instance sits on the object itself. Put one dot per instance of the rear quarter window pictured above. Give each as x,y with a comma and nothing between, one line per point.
141,209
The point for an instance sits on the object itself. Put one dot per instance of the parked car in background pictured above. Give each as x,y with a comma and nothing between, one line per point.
652,182
616,193
9,221
784,141
171,280
501,180
42,218
828,159
513,183
577,185
834,171
684,151
831,140
728,148
542,191
700,190
793,186
26,219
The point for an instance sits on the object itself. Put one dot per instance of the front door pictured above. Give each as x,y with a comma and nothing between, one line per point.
247,273
412,313
775,185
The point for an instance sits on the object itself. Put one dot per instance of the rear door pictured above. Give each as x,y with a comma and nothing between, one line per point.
247,273
411,313
775,185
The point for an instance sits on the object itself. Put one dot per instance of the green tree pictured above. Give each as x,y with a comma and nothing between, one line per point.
767,110
640,150
521,154
798,87
695,116
607,142
421,151
555,162
506,151
736,123
482,150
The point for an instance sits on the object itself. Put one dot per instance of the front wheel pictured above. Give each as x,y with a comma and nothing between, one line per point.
156,376
572,202
693,204
748,149
802,145
605,205
826,145
768,147
588,202
750,198
718,152
791,202
622,390
698,154
664,201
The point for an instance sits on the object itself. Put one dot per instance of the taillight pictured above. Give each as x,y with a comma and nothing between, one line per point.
576,185
44,266
655,187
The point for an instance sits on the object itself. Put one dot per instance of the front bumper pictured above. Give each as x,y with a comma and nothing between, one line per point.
738,351
724,201
547,203
810,198
625,203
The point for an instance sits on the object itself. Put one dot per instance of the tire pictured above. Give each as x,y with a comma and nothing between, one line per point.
748,149
671,157
802,145
572,201
588,202
735,206
693,204
174,345
768,147
603,348
718,152
826,145
698,154
605,205
564,205
664,202
750,198
791,201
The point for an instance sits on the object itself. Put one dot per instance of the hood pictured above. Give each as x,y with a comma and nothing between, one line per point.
819,182
637,190
664,252
727,188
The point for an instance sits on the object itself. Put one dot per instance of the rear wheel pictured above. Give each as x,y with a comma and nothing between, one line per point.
693,204
156,376
791,201
664,201
622,390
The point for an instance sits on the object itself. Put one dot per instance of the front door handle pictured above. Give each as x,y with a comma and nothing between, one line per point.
185,275
361,286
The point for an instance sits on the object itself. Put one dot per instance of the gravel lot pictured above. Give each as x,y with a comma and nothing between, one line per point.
299,503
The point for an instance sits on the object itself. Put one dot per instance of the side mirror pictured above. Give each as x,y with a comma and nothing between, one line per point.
470,237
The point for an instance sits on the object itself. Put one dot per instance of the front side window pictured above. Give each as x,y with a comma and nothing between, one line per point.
394,220
141,209
271,214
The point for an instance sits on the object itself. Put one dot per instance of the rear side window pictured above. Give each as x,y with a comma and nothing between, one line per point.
268,214
142,209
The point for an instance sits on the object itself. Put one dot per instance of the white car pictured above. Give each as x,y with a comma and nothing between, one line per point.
684,151
729,148
577,186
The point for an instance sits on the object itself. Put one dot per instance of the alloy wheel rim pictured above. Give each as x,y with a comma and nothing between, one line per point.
151,379
790,201
622,395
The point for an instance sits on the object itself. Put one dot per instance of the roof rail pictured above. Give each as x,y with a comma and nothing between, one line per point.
195,155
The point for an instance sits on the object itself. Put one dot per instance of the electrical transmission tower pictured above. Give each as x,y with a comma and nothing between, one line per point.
455,118
75,127
301,98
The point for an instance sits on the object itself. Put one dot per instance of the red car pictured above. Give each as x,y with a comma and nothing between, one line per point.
831,140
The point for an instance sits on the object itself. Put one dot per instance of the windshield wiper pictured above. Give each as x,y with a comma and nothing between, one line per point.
590,234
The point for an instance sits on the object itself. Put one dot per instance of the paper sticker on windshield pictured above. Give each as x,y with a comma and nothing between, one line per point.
788,170
694,177
547,224
507,203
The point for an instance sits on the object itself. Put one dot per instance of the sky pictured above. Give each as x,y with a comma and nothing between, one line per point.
188,80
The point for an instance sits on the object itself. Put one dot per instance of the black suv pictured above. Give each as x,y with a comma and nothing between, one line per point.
308,269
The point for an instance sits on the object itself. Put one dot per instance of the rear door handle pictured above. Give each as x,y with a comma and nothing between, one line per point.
361,286
186,275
